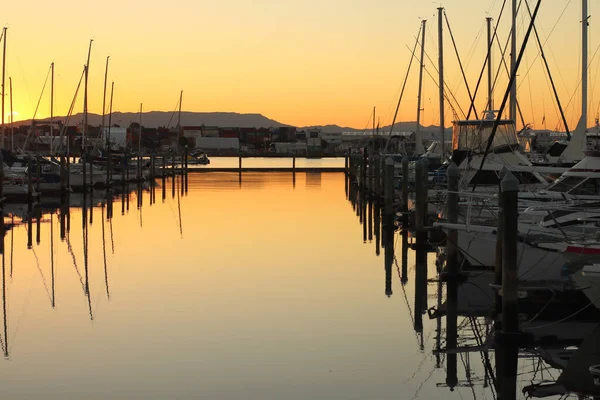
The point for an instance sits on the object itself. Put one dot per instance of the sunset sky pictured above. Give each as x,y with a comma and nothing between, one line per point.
298,62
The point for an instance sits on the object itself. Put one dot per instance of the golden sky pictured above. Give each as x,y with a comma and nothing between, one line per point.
298,62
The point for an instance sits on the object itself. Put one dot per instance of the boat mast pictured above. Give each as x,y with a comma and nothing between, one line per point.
584,62
490,106
12,131
441,79
85,99
418,141
112,89
104,98
512,110
139,157
51,110
3,75
179,119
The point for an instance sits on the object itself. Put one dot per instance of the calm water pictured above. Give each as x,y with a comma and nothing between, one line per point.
259,289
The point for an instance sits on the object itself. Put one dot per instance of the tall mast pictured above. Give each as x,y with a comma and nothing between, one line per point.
584,62
3,75
12,135
51,110
489,72
512,110
140,134
104,98
418,140
85,98
441,79
179,119
112,89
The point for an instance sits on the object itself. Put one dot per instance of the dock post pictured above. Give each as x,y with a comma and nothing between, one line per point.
421,237
186,168
346,162
91,177
68,172
388,191
453,174
294,164
405,182
173,165
2,184
240,160
173,175
371,178
377,222
29,181
164,177
84,171
38,168
363,170
109,168
389,253
377,178
507,336
63,189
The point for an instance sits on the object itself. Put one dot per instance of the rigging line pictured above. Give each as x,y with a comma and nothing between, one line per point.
173,114
104,255
462,71
70,250
446,94
37,264
445,85
405,80
112,240
37,107
591,303
70,113
472,106
507,92
548,37
535,31
579,81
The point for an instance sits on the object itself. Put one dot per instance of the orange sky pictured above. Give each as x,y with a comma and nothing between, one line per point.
298,62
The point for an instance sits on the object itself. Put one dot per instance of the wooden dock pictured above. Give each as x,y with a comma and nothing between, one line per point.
205,169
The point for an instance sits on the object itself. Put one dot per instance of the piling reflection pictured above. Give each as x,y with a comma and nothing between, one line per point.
556,353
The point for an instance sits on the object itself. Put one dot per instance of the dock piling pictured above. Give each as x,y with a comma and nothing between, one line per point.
388,191
405,181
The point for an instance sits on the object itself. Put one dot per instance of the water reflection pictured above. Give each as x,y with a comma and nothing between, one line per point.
553,357
274,291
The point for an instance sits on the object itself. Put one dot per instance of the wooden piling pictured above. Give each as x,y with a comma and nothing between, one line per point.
68,176
453,174
29,181
63,187
38,168
363,170
508,336
388,191
346,163
405,182
173,166
240,161
109,167
509,199
377,178
371,176
185,182
421,238
2,181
